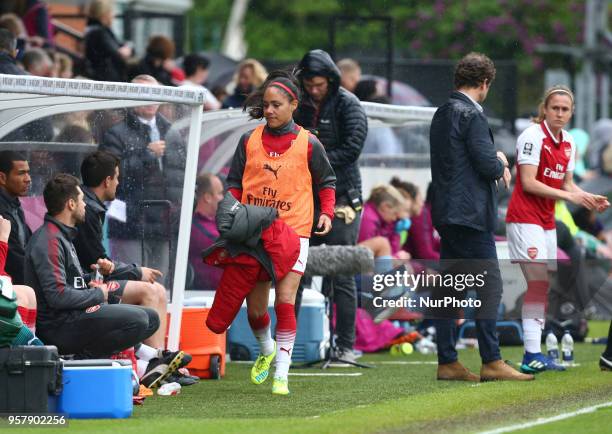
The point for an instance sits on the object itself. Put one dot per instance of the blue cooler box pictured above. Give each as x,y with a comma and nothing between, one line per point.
312,337
96,389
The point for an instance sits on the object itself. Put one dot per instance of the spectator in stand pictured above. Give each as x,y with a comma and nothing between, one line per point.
37,62
196,73
158,61
350,74
15,182
13,23
40,130
152,166
209,192
105,56
8,54
250,74
366,90
63,66
36,19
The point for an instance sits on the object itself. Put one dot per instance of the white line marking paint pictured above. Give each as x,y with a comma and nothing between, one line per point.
325,374
404,362
542,421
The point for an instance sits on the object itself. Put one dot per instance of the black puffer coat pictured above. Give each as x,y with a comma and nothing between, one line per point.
339,123
240,228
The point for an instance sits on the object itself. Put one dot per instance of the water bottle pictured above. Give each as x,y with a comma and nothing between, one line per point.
135,383
426,346
567,348
98,276
552,346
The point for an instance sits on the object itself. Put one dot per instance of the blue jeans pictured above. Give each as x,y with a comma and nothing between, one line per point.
466,250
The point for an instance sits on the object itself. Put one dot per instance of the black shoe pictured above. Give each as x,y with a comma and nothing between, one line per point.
159,369
605,363
183,380
186,357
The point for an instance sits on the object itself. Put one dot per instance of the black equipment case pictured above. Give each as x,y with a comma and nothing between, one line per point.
30,379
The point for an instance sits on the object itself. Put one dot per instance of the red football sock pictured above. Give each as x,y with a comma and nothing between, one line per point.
28,317
536,299
261,330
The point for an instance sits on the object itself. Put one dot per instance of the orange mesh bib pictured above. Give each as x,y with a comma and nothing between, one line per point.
283,182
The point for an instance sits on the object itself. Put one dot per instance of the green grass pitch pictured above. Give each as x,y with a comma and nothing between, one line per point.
392,398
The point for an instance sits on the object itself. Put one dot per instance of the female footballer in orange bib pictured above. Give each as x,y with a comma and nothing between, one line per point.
278,164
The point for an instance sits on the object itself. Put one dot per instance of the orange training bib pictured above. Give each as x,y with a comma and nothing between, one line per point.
282,182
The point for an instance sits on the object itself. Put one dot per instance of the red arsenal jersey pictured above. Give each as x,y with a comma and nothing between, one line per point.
536,146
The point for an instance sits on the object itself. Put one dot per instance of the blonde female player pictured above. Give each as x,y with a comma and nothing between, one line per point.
280,163
545,159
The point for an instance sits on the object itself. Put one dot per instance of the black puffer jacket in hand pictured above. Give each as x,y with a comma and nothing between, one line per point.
340,122
240,227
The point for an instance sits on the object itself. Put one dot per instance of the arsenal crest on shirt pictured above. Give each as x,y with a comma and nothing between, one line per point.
532,252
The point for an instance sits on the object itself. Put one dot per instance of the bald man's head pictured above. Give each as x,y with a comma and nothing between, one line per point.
145,79
148,111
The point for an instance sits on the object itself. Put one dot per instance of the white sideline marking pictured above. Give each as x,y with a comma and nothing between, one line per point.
542,421
404,362
325,374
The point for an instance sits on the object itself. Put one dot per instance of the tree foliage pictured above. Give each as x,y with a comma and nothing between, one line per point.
428,29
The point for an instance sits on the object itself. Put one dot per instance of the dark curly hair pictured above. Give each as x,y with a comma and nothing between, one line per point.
473,70
284,80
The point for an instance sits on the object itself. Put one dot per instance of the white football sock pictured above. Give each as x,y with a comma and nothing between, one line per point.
532,334
264,338
146,353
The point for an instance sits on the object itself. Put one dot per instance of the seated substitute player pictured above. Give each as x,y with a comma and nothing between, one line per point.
132,283
546,159
72,311
280,163
137,285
